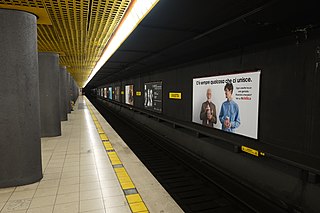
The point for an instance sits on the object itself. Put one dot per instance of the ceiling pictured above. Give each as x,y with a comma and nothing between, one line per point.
76,29
180,31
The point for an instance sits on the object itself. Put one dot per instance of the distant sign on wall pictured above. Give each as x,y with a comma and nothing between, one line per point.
175,95
129,94
153,96
228,102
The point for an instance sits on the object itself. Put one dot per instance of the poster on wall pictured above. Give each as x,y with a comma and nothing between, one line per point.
129,94
153,96
110,93
105,93
228,102
117,93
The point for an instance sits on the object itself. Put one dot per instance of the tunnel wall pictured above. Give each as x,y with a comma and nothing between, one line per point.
288,114
289,92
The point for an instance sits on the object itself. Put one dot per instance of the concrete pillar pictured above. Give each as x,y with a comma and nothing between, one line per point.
68,93
20,152
77,91
74,89
63,94
71,88
49,94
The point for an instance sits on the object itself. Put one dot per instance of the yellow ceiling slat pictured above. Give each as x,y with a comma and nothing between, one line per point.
59,14
114,17
44,35
68,33
93,31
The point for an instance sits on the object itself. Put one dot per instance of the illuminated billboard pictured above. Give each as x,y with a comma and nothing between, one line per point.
110,93
153,96
228,102
117,93
129,94
105,93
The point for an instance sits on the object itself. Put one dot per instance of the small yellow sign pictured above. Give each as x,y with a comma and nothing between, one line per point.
122,92
250,151
138,93
175,95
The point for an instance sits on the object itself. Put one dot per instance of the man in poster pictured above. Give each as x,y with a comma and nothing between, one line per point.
229,113
208,111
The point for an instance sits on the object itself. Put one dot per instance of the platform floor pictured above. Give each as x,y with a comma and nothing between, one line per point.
79,177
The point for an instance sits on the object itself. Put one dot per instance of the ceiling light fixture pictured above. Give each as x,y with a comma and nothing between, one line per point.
134,15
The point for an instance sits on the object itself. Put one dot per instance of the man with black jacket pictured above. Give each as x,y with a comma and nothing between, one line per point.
208,111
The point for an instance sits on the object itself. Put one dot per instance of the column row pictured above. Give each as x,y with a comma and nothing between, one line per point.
58,92
36,94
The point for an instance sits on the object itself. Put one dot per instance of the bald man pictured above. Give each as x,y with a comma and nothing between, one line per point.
208,111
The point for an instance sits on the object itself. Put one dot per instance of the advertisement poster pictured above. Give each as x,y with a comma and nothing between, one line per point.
153,96
228,102
105,93
129,94
110,93
117,93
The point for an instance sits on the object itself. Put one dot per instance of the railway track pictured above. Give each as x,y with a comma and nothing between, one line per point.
195,186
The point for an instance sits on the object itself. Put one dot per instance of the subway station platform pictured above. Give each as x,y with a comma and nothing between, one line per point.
89,169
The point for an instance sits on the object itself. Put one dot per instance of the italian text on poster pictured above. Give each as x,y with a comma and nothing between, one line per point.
228,102
129,94
153,96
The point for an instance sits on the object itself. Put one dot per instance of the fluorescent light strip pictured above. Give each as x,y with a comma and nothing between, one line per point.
139,10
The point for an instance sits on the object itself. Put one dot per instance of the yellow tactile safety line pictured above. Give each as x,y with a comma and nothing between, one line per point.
134,199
